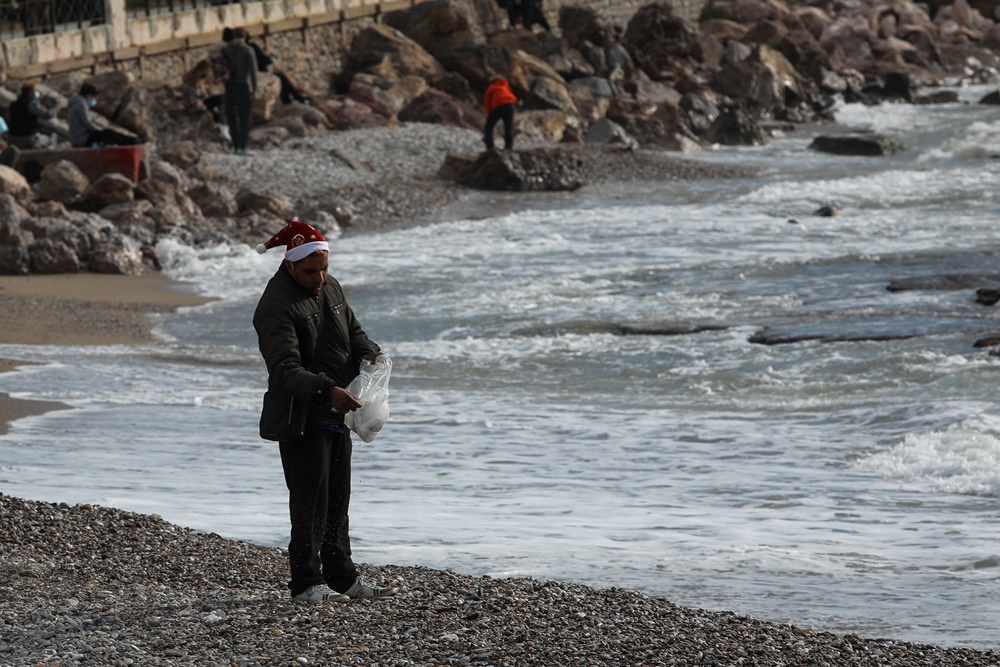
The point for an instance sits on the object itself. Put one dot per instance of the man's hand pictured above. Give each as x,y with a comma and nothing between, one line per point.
372,357
343,401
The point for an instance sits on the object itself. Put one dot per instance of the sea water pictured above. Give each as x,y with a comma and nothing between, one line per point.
575,392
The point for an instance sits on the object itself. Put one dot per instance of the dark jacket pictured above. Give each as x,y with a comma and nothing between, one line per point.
24,115
287,324
242,63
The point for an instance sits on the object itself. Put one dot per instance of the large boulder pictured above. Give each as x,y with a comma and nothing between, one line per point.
116,257
530,170
479,64
183,154
109,189
656,37
120,100
61,181
50,256
213,200
434,106
437,26
266,96
260,201
386,52
610,133
584,24
386,97
735,127
12,182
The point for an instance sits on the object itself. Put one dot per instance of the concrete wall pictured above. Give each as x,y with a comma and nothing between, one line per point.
309,36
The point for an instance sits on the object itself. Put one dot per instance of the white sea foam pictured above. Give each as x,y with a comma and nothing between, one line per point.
954,461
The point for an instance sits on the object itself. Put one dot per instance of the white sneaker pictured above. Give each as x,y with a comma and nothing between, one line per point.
320,593
360,590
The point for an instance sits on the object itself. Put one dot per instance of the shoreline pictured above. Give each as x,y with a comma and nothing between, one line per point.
97,584
80,309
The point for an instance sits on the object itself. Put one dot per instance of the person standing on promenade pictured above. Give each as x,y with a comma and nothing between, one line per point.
84,132
26,114
499,101
241,86
312,345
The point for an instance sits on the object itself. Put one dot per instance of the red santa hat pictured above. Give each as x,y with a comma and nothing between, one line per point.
299,238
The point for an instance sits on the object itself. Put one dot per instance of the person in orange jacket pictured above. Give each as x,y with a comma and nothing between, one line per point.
499,101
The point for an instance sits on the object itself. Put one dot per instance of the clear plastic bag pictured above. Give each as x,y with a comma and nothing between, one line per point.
371,387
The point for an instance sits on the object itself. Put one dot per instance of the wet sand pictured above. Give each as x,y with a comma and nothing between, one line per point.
79,309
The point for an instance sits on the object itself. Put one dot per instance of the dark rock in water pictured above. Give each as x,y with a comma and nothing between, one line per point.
991,98
940,283
992,340
536,169
988,296
939,97
827,212
874,144
670,329
770,337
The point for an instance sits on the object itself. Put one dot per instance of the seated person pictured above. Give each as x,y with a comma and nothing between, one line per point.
83,132
265,63
25,116
195,96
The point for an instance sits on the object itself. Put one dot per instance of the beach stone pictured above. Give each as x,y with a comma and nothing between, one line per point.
61,181
535,169
12,182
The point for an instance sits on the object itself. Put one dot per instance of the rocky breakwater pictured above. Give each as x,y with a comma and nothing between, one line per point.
594,97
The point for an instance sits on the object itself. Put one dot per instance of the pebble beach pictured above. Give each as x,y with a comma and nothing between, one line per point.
91,585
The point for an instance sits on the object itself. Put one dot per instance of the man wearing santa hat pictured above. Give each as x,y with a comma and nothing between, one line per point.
312,345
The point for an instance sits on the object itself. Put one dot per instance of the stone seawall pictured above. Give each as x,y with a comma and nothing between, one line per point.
310,49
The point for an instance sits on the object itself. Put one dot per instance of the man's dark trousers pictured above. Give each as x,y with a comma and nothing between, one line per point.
239,105
318,475
503,112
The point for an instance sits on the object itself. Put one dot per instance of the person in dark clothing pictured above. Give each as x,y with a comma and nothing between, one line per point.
26,114
312,345
84,132
241,87
499,101
533,14
265,63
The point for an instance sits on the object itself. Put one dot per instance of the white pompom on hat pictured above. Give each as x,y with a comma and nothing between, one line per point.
299,238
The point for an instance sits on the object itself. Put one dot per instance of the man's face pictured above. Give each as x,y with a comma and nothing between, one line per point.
311,271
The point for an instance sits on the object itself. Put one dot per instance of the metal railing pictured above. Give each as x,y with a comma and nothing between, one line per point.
151,7
25,18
